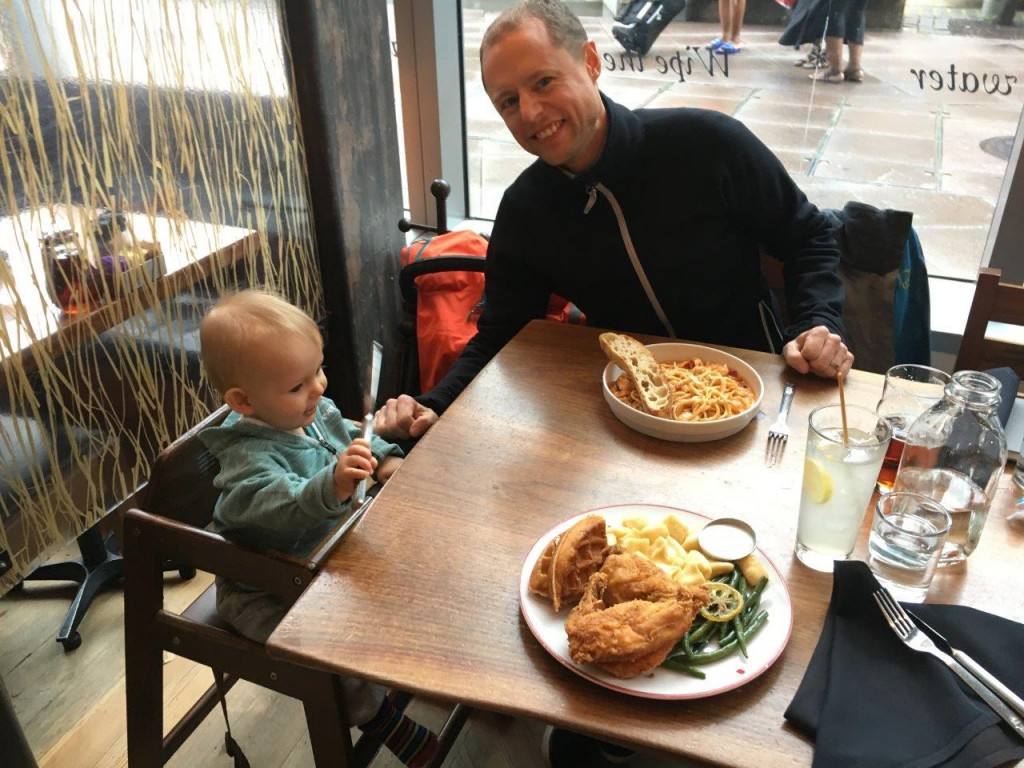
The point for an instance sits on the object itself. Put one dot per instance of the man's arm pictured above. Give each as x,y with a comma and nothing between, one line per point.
768,204
514,294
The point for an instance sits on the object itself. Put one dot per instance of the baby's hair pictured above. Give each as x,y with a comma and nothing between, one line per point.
229,330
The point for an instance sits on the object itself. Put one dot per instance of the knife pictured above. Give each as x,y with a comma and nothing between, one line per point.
986,677
369,402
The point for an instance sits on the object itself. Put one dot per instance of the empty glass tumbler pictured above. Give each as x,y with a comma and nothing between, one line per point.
908,531
955,454
909,391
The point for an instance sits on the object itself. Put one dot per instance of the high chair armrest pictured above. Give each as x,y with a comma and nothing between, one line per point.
161,539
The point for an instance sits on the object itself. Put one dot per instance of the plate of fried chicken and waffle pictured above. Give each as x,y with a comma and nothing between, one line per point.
614,593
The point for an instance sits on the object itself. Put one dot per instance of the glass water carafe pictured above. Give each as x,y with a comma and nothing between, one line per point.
955,454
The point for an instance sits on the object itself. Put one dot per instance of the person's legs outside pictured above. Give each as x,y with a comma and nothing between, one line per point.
725,17
853,72
739,8
834,61
730,13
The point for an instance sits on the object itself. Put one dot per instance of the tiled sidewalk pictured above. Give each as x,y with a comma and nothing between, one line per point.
901,139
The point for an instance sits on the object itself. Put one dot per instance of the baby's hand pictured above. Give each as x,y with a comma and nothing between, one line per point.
355,463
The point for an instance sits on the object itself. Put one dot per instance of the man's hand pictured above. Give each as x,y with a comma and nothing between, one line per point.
403,417
819,351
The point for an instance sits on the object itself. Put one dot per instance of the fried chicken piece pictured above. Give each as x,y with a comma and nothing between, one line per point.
631,577
630,616
627,669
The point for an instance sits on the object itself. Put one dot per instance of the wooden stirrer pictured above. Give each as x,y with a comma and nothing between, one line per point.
842,407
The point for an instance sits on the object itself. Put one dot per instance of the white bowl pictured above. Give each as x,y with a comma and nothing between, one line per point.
685,431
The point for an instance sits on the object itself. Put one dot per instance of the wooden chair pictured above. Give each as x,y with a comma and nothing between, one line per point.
994,302
179,502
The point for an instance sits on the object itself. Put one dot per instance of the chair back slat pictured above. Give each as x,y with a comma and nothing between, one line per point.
994,302
180,484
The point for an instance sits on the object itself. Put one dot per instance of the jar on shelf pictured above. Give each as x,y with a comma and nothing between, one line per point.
955,454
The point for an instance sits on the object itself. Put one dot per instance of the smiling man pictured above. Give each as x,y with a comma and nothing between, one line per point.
650,221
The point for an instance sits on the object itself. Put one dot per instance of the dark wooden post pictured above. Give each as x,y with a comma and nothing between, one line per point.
340,54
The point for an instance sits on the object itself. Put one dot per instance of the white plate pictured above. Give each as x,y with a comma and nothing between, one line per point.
724,675
685,431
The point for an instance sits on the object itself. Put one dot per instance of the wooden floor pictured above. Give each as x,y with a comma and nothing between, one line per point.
72,705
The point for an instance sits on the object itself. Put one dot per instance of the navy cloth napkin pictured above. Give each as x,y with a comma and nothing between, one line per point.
867,700
1009,382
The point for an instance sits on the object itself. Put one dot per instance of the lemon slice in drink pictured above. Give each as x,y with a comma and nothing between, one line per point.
817,483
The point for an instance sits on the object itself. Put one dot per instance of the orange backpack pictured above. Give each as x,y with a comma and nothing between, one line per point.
442,284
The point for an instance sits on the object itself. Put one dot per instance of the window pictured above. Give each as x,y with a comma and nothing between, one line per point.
929,130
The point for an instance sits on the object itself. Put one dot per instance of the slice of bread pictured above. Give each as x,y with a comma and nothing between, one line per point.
639,364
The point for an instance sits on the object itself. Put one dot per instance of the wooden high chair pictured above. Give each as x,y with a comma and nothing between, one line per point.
179,502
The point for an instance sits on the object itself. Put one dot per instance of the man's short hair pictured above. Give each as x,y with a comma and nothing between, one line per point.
563,26
230,328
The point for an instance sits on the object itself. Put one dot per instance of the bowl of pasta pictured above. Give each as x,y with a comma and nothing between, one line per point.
712,394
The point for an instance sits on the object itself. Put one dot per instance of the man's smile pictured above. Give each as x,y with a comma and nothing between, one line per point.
549,131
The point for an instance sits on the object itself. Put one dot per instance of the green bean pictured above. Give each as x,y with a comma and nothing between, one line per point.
736,580
686,669
702,631
753,597
737,624
687,647
726,649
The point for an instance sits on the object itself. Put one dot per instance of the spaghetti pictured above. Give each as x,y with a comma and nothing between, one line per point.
701,391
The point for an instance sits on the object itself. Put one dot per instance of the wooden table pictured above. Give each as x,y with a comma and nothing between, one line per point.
32,323
423,596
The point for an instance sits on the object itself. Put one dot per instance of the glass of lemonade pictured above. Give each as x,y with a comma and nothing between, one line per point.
839,477
909,391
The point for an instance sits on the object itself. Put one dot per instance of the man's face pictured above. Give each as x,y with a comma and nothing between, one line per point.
547,96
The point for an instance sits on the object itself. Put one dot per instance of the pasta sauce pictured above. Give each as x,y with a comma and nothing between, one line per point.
701,391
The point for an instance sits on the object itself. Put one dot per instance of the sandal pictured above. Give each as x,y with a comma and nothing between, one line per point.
854,75
831,76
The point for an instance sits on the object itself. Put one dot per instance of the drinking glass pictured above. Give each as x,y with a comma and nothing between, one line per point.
909,391
839,477
907,535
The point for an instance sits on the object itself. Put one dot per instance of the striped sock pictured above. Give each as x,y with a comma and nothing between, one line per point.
413,744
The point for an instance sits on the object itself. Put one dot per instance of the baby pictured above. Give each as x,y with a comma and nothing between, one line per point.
289,464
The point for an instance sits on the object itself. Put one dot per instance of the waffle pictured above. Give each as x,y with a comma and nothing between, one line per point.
567,562
578,555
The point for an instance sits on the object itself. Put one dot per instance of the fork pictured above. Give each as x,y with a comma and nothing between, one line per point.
778,433
912,637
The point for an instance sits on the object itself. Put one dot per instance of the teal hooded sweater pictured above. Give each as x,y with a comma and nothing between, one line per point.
277,488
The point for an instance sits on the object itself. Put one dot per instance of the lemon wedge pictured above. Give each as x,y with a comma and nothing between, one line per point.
817,483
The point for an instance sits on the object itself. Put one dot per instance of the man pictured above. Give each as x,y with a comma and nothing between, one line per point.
649,221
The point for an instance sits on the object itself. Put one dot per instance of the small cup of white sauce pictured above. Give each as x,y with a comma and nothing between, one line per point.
727,538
